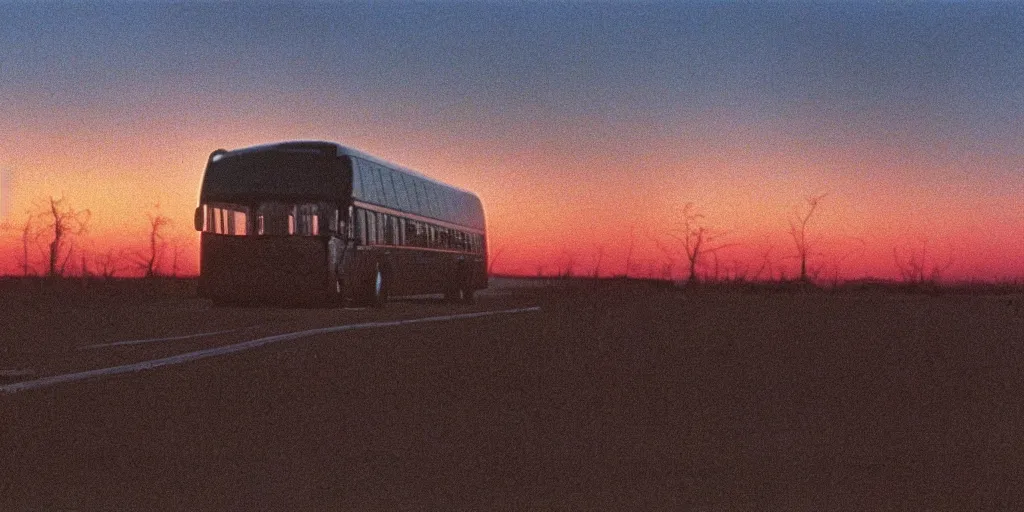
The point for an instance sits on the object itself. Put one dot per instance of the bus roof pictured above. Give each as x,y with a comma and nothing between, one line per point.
340,150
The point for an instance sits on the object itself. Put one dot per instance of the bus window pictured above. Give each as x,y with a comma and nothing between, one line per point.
443,237
393,230
421,234
273,218
410,232
307,220
360,226
226,219
371,228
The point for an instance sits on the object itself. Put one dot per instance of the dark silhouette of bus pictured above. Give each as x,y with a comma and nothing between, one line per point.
311,221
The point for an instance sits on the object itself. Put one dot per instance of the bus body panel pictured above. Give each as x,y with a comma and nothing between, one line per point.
263,269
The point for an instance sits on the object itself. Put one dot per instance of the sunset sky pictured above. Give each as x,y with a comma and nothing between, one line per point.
576,123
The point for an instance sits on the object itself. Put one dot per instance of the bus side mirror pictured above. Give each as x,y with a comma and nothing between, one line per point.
198,220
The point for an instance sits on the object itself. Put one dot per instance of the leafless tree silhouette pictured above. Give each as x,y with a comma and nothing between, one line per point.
175,251
917,266
61,223
27,235
736,271
696,240
109,264
84,265
766,264
798,230
150,262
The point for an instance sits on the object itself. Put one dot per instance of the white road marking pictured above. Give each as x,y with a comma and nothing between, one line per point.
237,347
169,338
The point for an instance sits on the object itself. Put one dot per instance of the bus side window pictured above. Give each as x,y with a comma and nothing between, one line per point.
361,226
410,232
371,228
445,238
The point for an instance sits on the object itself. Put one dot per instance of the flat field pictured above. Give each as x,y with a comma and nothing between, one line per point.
610,396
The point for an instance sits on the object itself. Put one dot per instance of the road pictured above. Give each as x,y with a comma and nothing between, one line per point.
623,400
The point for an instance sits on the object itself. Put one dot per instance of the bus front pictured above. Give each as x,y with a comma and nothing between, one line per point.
270,223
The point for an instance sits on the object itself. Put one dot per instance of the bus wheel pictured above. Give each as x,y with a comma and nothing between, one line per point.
377,294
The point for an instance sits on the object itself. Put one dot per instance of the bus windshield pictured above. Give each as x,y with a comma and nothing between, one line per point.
285,173
269,218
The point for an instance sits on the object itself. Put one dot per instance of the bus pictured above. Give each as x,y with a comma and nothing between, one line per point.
313,221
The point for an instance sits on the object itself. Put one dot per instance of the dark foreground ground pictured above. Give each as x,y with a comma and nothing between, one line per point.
610,397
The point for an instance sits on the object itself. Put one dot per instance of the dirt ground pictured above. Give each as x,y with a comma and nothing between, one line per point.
612,396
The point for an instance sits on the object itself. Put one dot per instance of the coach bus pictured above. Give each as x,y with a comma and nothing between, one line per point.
318,221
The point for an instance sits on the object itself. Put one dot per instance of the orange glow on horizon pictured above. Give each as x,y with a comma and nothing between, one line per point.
547,207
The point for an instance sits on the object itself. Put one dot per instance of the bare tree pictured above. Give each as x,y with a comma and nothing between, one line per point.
798,230
109,263
84,264
766,264
150,263
28,235
697,241
175,251
736,271
917,266
60,223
